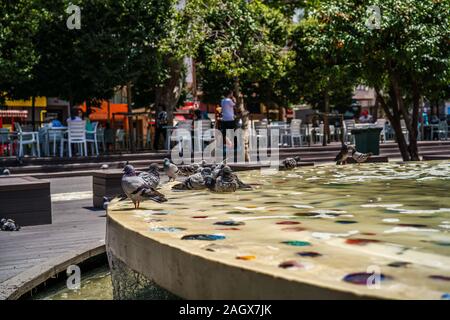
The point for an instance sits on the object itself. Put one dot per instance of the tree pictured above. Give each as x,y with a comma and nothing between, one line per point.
19,24
403,58
243,42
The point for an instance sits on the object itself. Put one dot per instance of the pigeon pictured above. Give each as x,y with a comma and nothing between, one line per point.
106,201
151,176
137,189
218,168
225,182
171,170
195,181
360,157
290,163
189,169
5,172
104,167
9,225
342,156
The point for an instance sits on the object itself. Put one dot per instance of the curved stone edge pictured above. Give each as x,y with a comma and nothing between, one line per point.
17,286
193,277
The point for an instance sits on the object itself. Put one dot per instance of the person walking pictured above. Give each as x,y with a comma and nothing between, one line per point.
160,128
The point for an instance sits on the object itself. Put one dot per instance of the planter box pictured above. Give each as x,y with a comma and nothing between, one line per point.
25,200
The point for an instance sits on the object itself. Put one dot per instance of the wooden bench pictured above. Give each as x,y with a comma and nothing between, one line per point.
26,200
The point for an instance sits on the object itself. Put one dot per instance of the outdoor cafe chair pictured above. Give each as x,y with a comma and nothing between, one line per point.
52,136
349,125
295,132
5,141
121,139
91,137
382,123
27,138
76,134
441,130
101,137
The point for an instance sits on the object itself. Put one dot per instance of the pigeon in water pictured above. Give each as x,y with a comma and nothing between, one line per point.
360,157
151,176
225,182
188,170
9,225
137,189
5,172
342,156
218,168
195,181
171,170
290,163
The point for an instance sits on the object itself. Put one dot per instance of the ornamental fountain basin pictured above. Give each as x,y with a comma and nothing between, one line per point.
325,232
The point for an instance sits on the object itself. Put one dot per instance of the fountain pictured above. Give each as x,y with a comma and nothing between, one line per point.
328,232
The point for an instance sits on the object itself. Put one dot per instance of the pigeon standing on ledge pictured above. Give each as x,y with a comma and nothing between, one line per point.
137,189
151,176
171,170
360,157
5,172
342,156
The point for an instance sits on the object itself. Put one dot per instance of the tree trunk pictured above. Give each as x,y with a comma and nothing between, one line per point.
394,119
413,148
168,94
326,127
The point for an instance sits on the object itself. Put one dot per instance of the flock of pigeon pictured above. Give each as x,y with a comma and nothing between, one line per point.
218,178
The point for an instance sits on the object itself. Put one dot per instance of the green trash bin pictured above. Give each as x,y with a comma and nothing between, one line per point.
367,140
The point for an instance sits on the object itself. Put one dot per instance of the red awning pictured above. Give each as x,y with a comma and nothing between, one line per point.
13,114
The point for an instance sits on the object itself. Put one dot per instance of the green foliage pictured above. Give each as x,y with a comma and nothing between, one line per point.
19,23
242,41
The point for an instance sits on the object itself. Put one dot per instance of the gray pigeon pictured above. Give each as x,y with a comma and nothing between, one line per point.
226,181
290,163
171,170
5,172
151,176
342,156
195,181
360,157
9,225
137,189
188,170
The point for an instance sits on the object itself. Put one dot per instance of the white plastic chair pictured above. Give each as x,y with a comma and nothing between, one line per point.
382,123
76,134
91,137
28,138
349,125
442,130
295,132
